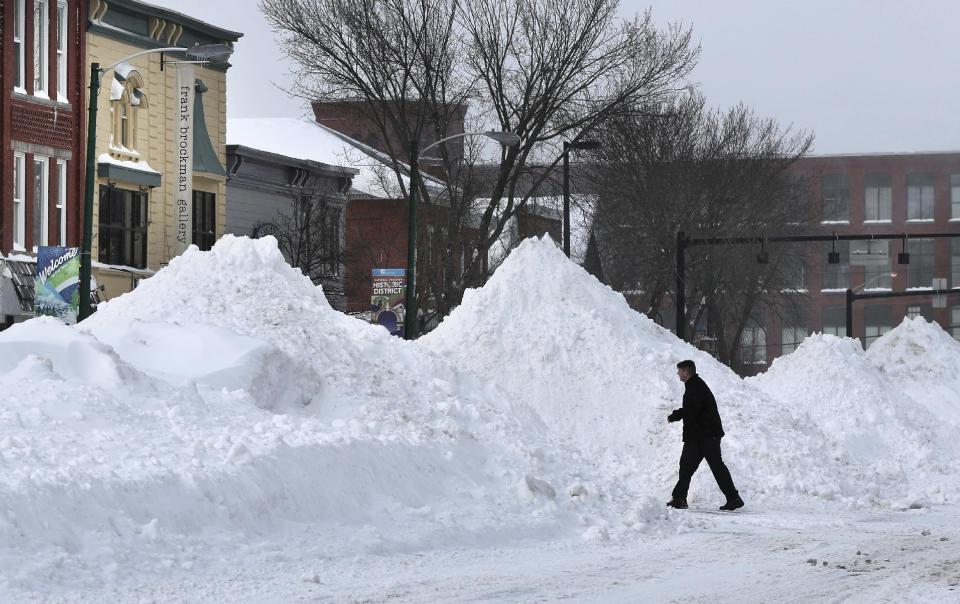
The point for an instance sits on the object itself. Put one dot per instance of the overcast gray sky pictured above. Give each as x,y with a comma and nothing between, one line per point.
863,75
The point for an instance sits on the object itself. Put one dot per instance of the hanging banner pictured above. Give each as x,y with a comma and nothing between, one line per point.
56,287
389,290
183,150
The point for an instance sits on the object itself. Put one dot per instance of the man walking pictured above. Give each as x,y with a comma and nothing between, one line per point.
702,432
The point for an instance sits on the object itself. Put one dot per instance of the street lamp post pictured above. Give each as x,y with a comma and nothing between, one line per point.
205,54
567,147
508,139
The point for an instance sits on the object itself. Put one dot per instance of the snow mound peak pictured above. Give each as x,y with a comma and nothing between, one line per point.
917,349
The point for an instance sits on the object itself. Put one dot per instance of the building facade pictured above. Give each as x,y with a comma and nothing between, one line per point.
138,168
915,194
300,202
41,113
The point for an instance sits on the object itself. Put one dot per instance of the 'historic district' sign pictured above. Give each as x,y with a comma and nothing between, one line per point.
389,289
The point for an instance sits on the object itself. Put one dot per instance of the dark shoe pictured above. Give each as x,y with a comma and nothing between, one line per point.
680,504
732,504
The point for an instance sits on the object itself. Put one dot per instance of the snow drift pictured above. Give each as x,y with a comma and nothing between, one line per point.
604,377
895,450
224,401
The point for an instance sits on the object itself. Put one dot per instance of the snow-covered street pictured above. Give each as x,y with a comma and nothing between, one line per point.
762,555
180,446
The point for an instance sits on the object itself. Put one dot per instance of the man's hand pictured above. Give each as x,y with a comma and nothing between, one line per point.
676,416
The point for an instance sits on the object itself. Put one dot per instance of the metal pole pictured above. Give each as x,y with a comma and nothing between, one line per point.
86,244
681,305
410,304
566,198
850,298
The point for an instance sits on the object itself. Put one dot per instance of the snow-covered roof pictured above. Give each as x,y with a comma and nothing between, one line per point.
303,138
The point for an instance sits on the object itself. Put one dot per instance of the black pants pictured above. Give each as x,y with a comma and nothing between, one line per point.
693,453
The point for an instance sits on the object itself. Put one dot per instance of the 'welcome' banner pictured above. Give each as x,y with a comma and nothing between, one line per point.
56,286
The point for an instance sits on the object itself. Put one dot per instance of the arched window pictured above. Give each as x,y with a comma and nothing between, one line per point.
127,99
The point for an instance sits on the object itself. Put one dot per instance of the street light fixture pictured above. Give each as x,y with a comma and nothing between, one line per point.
205,54
507,139
567,147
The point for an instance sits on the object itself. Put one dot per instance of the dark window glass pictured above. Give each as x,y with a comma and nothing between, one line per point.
204,219
123,227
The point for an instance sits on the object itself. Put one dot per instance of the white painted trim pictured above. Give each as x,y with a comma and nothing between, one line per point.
21,22
19,227
62,180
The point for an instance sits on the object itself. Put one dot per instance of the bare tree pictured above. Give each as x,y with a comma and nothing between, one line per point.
680,166
309,235
547,70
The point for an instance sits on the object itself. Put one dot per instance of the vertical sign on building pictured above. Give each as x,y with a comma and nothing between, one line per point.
389,290
183,149
56,287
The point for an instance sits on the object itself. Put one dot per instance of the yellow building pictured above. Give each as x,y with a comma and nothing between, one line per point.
143,182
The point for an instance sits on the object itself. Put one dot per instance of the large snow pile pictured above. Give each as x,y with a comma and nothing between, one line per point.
924,360
896,450
224,408
604,377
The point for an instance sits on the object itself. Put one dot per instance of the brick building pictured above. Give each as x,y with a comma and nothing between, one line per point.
41,114
911,193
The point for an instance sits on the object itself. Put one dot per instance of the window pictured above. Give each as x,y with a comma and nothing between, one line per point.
877,196
62,50
18,203
60,227
18,54
40,28
835,189
204,219
795,273
753,344
876,318
955,197
790,338
920,269
874,256
955,322
123,227
835,321
41,201
127,98
125,123
919,196
955,262
837,276
921,310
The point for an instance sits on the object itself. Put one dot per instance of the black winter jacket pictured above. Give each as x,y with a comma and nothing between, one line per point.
701,419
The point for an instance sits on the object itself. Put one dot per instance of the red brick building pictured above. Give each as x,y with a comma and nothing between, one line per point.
911,193
41,123
41,138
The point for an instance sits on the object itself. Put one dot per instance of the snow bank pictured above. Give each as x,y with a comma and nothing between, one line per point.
923,360
604,377
224,402
895,450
